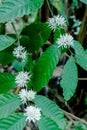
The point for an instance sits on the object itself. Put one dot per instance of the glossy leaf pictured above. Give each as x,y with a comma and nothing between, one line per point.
80,126
11,9
5,41
69,79
38,34
13,122
57,34
75,3
82,60
44,67
29,63
47,124
8,104
50,110
6,57
78,48
84,1
59,5
7,82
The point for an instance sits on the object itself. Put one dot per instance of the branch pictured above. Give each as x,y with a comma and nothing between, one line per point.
74,117
82,33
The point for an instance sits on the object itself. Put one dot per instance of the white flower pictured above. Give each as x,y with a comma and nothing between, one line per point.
31,95
22,79
23,95
56,22
27,95
65,41
19,52
32,113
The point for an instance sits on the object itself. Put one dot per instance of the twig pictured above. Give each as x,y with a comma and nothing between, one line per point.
82,78
67,55
69,108
13,25
74,117
49,7
82,33
16,90
70,118
60,98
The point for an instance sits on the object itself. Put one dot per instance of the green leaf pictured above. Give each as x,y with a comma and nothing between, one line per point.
11,9
13,122
81,54
17,65
44,67
57,33
6,41
7,82
24,41
47,124
82,60
38,34
78,48
80,126
69,79
52,1
6,57
29,63
8,104
84,1
75,3
50,110
59,5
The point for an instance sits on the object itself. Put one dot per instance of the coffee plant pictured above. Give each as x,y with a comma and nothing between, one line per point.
20,101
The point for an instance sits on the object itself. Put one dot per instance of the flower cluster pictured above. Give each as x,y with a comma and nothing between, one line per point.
32,113
22,79
56,22
65,41
19,52
27,95
23,95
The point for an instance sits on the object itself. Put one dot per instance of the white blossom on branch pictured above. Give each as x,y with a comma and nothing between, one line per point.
26,95
65,41
19,52
56,22
32,113
22,79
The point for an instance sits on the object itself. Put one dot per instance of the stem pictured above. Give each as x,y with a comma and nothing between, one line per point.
67,55
49,7
82,78
22,66
74,117
71,52
15,30
72,55
69,108
16,90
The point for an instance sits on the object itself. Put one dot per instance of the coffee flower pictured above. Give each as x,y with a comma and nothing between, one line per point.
32,113
65,41
56,22
19,52
31,95
22,79
23,95
26,95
